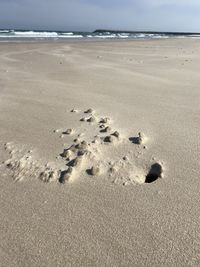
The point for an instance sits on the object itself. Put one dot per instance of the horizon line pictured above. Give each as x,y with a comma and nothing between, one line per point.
102,30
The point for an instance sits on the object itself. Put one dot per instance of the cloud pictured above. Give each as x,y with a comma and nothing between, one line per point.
171,2
166,15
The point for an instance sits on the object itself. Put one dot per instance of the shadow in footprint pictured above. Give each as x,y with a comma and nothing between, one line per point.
89,171
62,177
135,140
63,154
154,173
71,163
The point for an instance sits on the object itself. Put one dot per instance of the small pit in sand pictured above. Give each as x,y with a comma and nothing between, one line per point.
155,172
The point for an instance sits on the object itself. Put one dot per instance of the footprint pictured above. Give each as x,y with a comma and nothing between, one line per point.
91,119
116,134
94,171
66,175
123,168
68,131
105,130
48,175
74,110
90,110
155,172
140,139
104,120
23,164
109,139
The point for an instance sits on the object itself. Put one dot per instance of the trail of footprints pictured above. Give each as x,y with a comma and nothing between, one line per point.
22,164
96,150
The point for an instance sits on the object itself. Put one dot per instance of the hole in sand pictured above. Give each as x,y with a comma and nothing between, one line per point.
154,173
135,140
61,178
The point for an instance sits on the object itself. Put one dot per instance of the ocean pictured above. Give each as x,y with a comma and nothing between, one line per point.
98,34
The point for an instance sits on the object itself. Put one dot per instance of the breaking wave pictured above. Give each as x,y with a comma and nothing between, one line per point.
98,34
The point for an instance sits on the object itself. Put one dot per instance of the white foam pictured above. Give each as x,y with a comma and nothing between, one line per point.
70,36
123,36
102,35
195,36
105,36
67,33
4,31
141,35
36,34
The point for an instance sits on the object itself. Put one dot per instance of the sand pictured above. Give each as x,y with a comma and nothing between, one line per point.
99,150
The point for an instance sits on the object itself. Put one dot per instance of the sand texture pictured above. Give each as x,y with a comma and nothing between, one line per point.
100,153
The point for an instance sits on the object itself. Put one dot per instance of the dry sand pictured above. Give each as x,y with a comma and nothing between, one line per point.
117,185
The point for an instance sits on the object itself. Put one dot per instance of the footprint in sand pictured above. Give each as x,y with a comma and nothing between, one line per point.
105,129
94,170
140,139
68,131
91,119
102,151
90,110
24,164
66,175
155,172
74,110
123,166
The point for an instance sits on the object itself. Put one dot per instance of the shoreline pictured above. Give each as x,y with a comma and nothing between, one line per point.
95,40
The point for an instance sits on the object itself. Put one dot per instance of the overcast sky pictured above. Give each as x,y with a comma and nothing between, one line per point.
160,15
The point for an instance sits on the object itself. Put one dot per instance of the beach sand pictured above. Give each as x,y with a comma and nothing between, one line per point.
100,153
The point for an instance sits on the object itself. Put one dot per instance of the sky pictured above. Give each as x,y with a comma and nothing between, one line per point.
88,15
